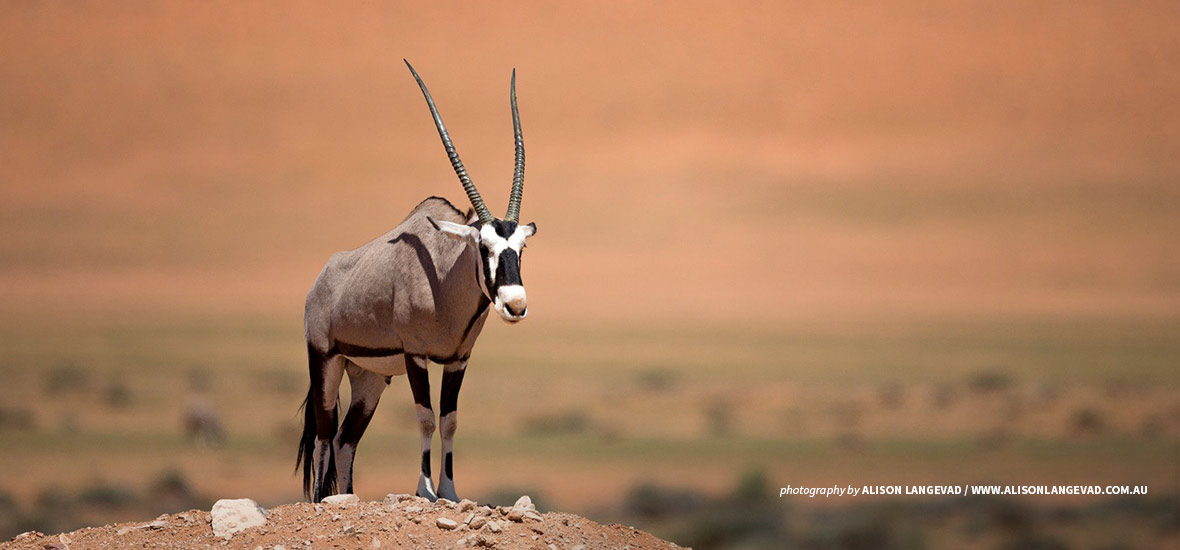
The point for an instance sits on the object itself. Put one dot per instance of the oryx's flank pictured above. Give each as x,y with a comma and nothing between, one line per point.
417,294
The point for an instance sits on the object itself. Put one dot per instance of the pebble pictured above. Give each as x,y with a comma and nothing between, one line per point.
477,522
493,526
446,523
533,516
516,514
466,505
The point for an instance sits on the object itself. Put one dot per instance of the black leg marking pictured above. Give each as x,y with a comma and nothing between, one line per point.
447,464
426,463
451,382
419,382
355,423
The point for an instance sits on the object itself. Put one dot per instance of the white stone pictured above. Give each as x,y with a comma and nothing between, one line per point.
525,503
446,523
341,500
493,527
232,516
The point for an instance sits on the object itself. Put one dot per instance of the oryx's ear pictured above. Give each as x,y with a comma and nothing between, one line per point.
455,230
531,229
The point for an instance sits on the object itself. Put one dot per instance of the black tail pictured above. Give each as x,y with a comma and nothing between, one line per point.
307,448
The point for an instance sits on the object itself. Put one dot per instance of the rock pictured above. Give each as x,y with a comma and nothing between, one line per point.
477,522
342,500
516,514
413,509
466,505
231,516
524,502
280,547
493,526
55,546
533,516
446,523
485,511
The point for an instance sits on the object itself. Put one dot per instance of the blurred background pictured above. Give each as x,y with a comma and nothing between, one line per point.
779,244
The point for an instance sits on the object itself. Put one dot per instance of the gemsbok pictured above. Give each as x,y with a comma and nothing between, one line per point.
418,294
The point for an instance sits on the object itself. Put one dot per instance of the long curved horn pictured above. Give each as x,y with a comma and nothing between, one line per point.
513,214
472,193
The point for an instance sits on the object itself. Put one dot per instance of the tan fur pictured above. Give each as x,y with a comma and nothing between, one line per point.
412,289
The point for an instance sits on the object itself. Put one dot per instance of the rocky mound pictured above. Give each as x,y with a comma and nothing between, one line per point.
343,521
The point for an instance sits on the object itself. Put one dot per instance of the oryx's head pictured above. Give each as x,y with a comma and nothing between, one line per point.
500,242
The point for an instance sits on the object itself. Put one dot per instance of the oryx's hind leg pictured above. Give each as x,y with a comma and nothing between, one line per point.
420,386
448,423
326,373
366,391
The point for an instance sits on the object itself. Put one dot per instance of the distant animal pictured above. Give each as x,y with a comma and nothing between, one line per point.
418,294
201,423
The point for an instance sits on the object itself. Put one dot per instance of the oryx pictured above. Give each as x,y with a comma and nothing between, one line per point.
417,294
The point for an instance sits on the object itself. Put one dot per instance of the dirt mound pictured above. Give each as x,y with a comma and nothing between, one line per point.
401,521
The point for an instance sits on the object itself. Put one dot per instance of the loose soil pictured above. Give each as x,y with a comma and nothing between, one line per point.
409,523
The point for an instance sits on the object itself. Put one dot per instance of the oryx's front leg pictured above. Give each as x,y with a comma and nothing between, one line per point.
448,418
420,386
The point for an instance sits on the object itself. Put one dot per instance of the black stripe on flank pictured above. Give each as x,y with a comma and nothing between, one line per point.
353,350
426,463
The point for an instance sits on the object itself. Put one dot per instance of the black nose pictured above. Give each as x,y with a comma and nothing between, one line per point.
513,311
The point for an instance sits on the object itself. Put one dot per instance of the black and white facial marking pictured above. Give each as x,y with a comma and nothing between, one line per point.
500,245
